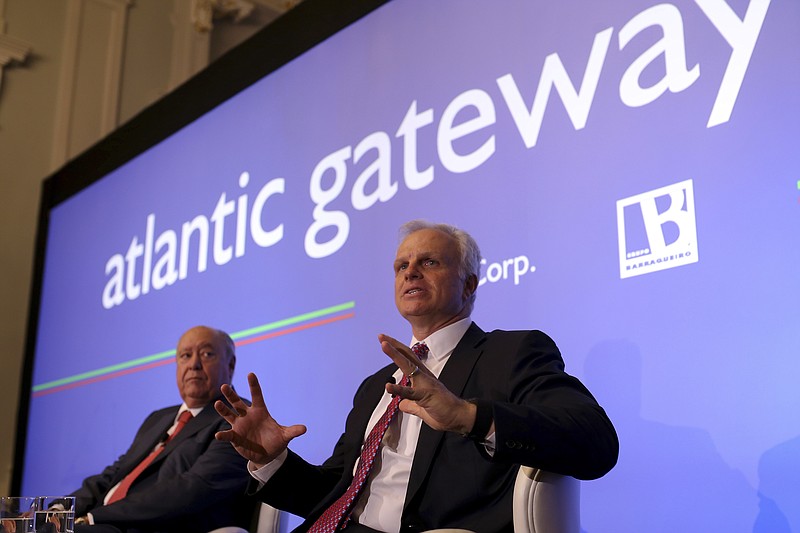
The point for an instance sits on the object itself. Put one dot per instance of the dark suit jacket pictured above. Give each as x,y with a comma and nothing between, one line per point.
196,483
543,418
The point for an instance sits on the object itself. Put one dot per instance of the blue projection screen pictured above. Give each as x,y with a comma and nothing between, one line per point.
631,170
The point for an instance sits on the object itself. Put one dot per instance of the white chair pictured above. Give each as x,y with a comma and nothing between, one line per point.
543,502
546,503
268,522
269,519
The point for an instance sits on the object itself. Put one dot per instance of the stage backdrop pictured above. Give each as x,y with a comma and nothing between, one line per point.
630,169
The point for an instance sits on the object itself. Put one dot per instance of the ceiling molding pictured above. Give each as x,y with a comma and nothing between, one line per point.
279,6
12,49
205,11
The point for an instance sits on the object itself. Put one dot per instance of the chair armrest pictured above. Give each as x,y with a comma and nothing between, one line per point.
546,503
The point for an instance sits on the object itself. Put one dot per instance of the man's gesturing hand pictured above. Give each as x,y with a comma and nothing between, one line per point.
427,397
254,433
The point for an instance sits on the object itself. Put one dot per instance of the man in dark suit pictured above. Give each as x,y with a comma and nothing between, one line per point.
193,482
476,407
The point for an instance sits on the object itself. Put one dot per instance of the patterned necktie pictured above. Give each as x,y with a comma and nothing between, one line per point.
336,516
127,481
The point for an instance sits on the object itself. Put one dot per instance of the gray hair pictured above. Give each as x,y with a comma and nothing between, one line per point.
469,254
230,346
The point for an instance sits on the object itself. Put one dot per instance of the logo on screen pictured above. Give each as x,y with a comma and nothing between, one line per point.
657,230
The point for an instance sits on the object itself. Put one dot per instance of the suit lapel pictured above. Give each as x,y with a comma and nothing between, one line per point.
454,376
362,415
360,418
147,441
195,424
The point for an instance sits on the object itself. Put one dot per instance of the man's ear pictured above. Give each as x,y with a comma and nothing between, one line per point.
470,286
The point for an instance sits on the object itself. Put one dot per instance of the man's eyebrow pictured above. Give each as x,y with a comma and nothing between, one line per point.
420,255
202,345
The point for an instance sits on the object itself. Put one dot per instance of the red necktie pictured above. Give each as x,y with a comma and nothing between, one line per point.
336,516
127,481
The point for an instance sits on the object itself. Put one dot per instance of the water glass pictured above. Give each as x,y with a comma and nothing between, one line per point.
39,514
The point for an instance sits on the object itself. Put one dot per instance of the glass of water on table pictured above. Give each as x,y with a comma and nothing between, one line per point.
37,514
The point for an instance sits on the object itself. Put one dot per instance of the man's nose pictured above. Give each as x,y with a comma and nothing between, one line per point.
196,361
412,272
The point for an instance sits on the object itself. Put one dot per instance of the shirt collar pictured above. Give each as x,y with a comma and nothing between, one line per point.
442,342
195,410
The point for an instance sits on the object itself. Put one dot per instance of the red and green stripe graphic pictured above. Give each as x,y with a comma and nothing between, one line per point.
260,333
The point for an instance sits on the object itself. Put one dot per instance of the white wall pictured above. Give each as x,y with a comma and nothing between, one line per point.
92,65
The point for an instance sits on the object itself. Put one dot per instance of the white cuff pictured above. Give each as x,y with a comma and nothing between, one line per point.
263,474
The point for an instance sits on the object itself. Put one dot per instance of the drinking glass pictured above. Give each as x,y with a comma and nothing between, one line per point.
17,514
40,514
55,514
